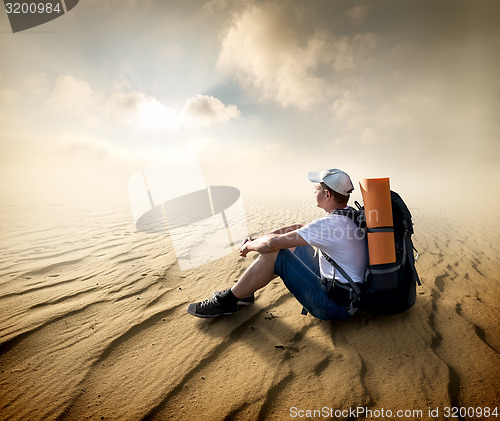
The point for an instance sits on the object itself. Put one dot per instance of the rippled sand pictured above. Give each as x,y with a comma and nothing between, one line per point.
93,326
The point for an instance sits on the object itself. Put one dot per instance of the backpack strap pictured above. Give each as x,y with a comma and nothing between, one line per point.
408,248
350,212
411,258
355,290
352,284
380,229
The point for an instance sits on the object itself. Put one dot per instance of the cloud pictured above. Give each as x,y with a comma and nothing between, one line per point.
36,149
173,53
346,107
37,84
8,95
135,109
357,14
204,109
39,168
142,112
146,113
362,117
71,92
270,49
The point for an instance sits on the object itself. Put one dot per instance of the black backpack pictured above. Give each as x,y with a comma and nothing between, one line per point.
389,288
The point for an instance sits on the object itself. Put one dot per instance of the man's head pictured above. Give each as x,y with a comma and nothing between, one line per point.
333,188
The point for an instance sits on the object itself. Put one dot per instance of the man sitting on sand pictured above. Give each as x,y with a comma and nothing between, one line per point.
289,254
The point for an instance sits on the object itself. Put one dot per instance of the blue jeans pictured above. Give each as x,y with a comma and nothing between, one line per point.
300,273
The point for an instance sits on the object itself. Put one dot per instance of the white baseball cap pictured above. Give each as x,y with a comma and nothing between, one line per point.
336,179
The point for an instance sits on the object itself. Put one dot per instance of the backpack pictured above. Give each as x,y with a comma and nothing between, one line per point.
389,288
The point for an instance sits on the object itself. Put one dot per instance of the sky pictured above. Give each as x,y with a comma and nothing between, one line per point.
262,91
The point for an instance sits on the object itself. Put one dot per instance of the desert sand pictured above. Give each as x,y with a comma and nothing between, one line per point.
93,325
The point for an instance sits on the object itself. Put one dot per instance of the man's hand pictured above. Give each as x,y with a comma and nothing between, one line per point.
244,249
271,242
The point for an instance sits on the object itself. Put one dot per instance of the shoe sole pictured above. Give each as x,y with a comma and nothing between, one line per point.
208,316
245,303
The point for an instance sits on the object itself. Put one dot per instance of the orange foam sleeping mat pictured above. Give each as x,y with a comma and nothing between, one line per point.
378,210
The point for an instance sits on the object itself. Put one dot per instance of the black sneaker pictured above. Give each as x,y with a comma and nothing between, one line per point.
211,308
245,301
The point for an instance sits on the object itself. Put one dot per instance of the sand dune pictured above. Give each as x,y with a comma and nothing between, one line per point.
93,326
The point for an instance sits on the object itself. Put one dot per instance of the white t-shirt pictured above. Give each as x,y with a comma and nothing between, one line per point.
340,238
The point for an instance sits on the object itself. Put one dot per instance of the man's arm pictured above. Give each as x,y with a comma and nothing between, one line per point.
283,230
287,229
273,242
